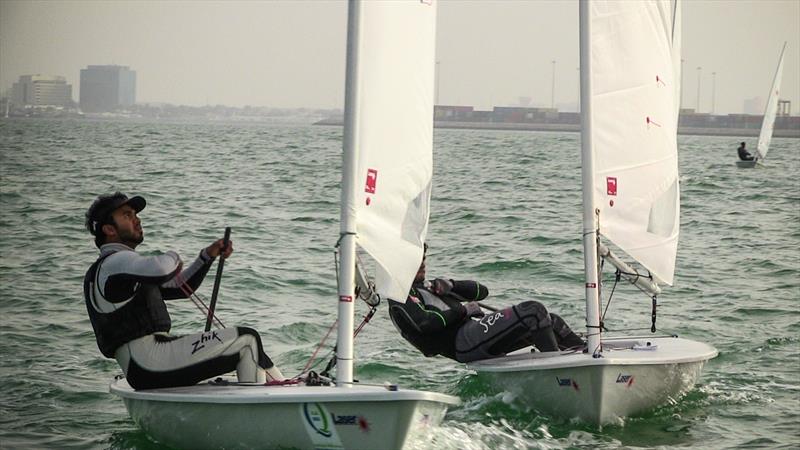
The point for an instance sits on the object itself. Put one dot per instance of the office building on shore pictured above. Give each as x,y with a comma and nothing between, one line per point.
41,90
107,88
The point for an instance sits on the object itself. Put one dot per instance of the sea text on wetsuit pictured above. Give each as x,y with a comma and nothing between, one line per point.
490,320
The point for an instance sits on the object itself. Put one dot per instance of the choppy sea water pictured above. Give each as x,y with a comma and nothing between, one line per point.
505,211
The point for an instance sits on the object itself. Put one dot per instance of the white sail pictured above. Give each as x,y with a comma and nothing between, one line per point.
394,138
635,76
771,110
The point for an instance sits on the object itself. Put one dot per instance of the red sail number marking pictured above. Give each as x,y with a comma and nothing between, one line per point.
611,185
372,178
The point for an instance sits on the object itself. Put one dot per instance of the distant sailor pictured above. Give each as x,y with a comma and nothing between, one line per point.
125,293
442,317
744,155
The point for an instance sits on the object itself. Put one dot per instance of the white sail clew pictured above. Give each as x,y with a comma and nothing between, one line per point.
395,138
635,78
771,110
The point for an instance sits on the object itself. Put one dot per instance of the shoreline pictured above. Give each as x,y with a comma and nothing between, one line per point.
511,126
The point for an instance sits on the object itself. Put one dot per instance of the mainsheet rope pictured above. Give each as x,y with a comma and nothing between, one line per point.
332,362
195,298
367,317
198,302
617,276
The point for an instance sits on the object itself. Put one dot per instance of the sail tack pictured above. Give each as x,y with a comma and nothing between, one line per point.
394,138
635,101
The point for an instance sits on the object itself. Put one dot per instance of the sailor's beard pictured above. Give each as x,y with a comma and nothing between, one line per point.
130,239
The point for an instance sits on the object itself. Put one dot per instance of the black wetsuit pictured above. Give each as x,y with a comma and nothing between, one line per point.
429,322
744,155
439,325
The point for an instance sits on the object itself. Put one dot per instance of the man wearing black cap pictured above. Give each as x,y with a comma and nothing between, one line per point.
125,295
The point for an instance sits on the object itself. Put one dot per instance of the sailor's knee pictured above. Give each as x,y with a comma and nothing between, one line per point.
254,340
250,336
532,307
243,331
534,314
560,326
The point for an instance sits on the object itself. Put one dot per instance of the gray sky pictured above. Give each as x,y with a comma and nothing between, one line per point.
291,54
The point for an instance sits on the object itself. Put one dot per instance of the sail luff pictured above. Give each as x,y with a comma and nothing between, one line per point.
592,284
768,122
347,244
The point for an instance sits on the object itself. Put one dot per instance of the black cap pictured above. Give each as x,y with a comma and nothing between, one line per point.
99,213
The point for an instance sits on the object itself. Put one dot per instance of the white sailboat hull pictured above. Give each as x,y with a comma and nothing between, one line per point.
208,416
630,378
747,164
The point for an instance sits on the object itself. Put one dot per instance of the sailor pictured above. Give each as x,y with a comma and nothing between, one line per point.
744,155
125,293
443,317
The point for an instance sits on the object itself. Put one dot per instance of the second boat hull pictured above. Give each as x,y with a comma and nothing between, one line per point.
629,380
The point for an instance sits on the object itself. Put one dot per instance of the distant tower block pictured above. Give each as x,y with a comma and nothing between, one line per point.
784,107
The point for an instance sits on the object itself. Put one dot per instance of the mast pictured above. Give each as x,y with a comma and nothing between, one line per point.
590,233
347,244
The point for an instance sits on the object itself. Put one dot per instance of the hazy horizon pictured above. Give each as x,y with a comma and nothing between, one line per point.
292,54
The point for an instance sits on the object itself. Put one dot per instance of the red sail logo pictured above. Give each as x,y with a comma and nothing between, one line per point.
611,185
372,178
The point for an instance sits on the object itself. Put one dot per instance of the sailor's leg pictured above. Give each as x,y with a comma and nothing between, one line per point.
495,334
501,332
540,324
162,360
564,335
254,365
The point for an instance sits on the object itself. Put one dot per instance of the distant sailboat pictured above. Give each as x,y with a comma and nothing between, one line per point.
768,123
630,86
